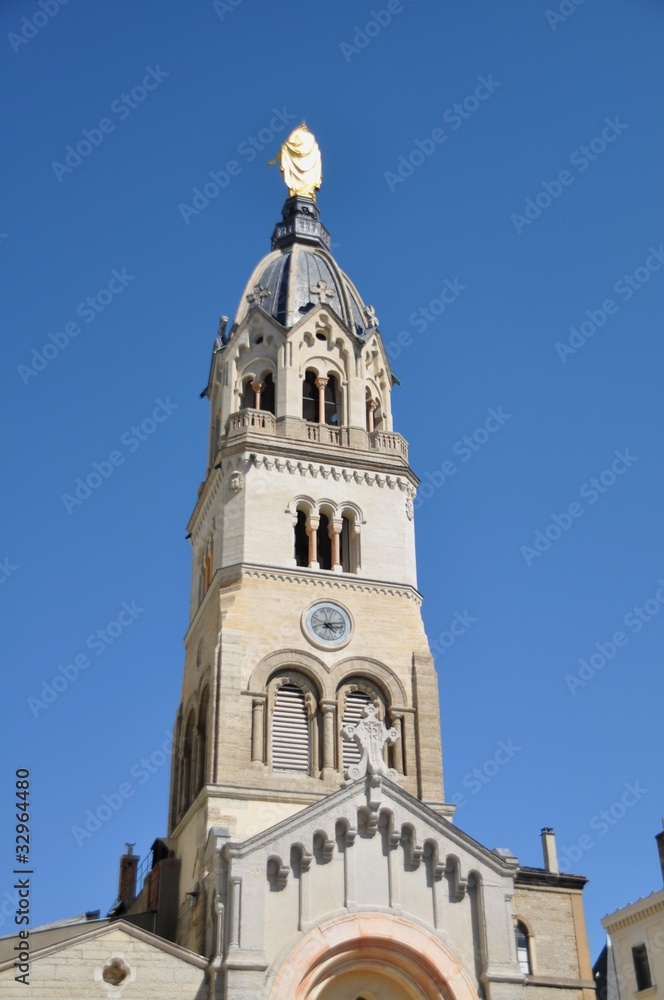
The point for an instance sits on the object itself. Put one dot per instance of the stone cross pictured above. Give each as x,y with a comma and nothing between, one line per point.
259,293
370,735
371,318
322,291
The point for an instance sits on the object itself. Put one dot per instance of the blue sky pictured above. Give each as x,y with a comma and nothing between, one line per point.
503,156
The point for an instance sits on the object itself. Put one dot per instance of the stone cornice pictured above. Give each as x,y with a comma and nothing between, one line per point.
635,913
327,581
369,476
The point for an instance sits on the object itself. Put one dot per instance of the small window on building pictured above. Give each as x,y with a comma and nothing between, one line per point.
641,967
290,730
349,543
523,949
332,400
324,543
267,395
301,540
310,397
248,396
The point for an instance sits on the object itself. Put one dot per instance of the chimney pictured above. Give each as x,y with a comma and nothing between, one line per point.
128,869
660,846
549,849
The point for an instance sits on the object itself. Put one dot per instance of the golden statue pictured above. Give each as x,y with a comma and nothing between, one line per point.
300,163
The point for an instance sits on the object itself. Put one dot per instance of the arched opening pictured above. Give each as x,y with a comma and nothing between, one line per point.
371,955
523,948
332,398
201,742
301,542
324,543
248,395
186,763
268,395
349,543
310,397
291,749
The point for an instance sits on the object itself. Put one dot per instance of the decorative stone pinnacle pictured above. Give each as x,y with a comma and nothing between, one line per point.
370,736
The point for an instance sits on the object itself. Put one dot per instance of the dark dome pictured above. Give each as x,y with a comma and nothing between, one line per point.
300,273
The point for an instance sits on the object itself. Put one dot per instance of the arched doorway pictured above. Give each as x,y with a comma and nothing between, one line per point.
371,956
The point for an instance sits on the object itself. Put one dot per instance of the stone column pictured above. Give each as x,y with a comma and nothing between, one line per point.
320,384
258,387
234,935
258,728
336,546
396,720
328,709
371,406
312,528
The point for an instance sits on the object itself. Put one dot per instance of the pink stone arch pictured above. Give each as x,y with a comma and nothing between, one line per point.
415,957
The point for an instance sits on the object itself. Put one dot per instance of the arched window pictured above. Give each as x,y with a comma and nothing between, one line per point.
201,743
291,749
349,543
523,949
332,400
324,543
301,540
267,395
186,763
310,397
248,395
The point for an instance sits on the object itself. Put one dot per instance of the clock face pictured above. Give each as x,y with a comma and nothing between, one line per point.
328,624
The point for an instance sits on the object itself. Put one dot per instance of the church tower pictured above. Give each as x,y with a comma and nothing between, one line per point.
310,854
304,601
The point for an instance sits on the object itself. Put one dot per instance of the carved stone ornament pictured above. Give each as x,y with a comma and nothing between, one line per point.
236,482
115,975
370,735
410,509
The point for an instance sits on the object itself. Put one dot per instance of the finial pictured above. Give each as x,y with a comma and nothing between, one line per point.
300,163
370,736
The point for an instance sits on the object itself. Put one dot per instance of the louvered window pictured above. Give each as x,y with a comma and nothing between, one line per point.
356,702
290,731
